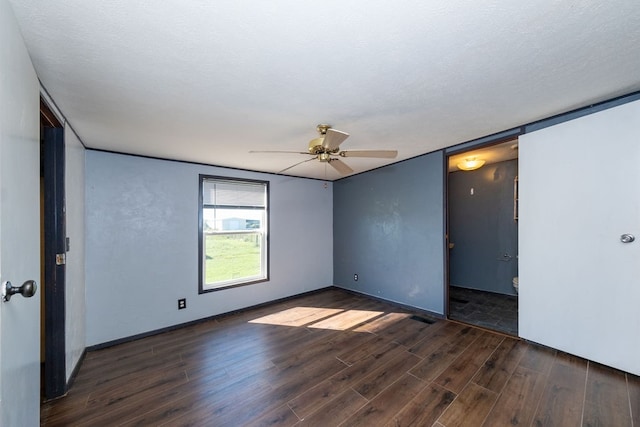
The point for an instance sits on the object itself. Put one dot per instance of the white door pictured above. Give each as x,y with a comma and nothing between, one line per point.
579,193
19,228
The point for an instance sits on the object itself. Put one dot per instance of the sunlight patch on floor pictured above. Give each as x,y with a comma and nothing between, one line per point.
337,319
381,323
297,316
346,320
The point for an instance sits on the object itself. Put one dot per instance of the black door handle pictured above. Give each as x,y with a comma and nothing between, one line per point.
28,289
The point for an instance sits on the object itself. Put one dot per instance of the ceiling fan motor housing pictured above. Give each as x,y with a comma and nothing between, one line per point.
315,145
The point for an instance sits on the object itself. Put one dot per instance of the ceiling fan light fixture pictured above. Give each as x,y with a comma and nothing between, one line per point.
470,164
324,157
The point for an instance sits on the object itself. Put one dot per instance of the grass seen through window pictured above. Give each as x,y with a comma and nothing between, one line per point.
230,256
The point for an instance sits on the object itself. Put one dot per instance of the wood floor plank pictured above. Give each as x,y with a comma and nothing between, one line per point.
308,353
281,416
247,367
562,401
306,337
341,407
381,378
292,383
121,370
353,354
443,356
498,368
633,383
383,407
519,399
196,393
73,404
538,358
470,408
122,411
438,336
141,385
206,367
258,406
249,405
407,331
193,398
460,372
318,396
123,402
606,397
349,339
425,408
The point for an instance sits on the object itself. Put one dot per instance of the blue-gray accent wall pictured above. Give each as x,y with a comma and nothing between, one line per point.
389,230
482,228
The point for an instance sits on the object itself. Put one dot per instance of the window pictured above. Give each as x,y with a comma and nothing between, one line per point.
233,232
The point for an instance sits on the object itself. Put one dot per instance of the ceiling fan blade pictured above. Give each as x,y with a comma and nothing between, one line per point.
333,138
380,154
277,151
299,163
341,167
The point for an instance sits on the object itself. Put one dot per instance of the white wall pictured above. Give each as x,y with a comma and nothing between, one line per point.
75,269
142,244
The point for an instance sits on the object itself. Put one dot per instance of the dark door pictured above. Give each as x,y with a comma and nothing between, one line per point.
54,237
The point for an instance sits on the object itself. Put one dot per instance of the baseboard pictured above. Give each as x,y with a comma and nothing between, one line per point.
396,303
197,321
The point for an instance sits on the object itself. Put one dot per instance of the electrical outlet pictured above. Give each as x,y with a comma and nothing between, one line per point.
355,277
182,303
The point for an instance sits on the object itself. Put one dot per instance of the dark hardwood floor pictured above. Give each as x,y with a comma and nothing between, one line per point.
334,358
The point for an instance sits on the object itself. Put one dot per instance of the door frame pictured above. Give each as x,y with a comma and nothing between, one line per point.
486,142
54,242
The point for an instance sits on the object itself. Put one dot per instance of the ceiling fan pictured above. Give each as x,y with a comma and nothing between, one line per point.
326,149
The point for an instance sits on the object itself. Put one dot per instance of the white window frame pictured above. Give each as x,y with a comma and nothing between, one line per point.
261,232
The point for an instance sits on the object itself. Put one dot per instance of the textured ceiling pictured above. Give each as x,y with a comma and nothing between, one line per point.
210,81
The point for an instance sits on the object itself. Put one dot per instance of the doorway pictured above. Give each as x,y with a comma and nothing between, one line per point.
482,222
53,254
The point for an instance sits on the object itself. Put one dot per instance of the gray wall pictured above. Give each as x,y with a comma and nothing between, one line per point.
389,229
482,228
142,244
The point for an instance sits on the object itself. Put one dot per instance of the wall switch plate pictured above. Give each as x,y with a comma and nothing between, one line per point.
182,303
355,277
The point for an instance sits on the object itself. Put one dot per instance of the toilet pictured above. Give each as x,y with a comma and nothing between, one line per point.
515,284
